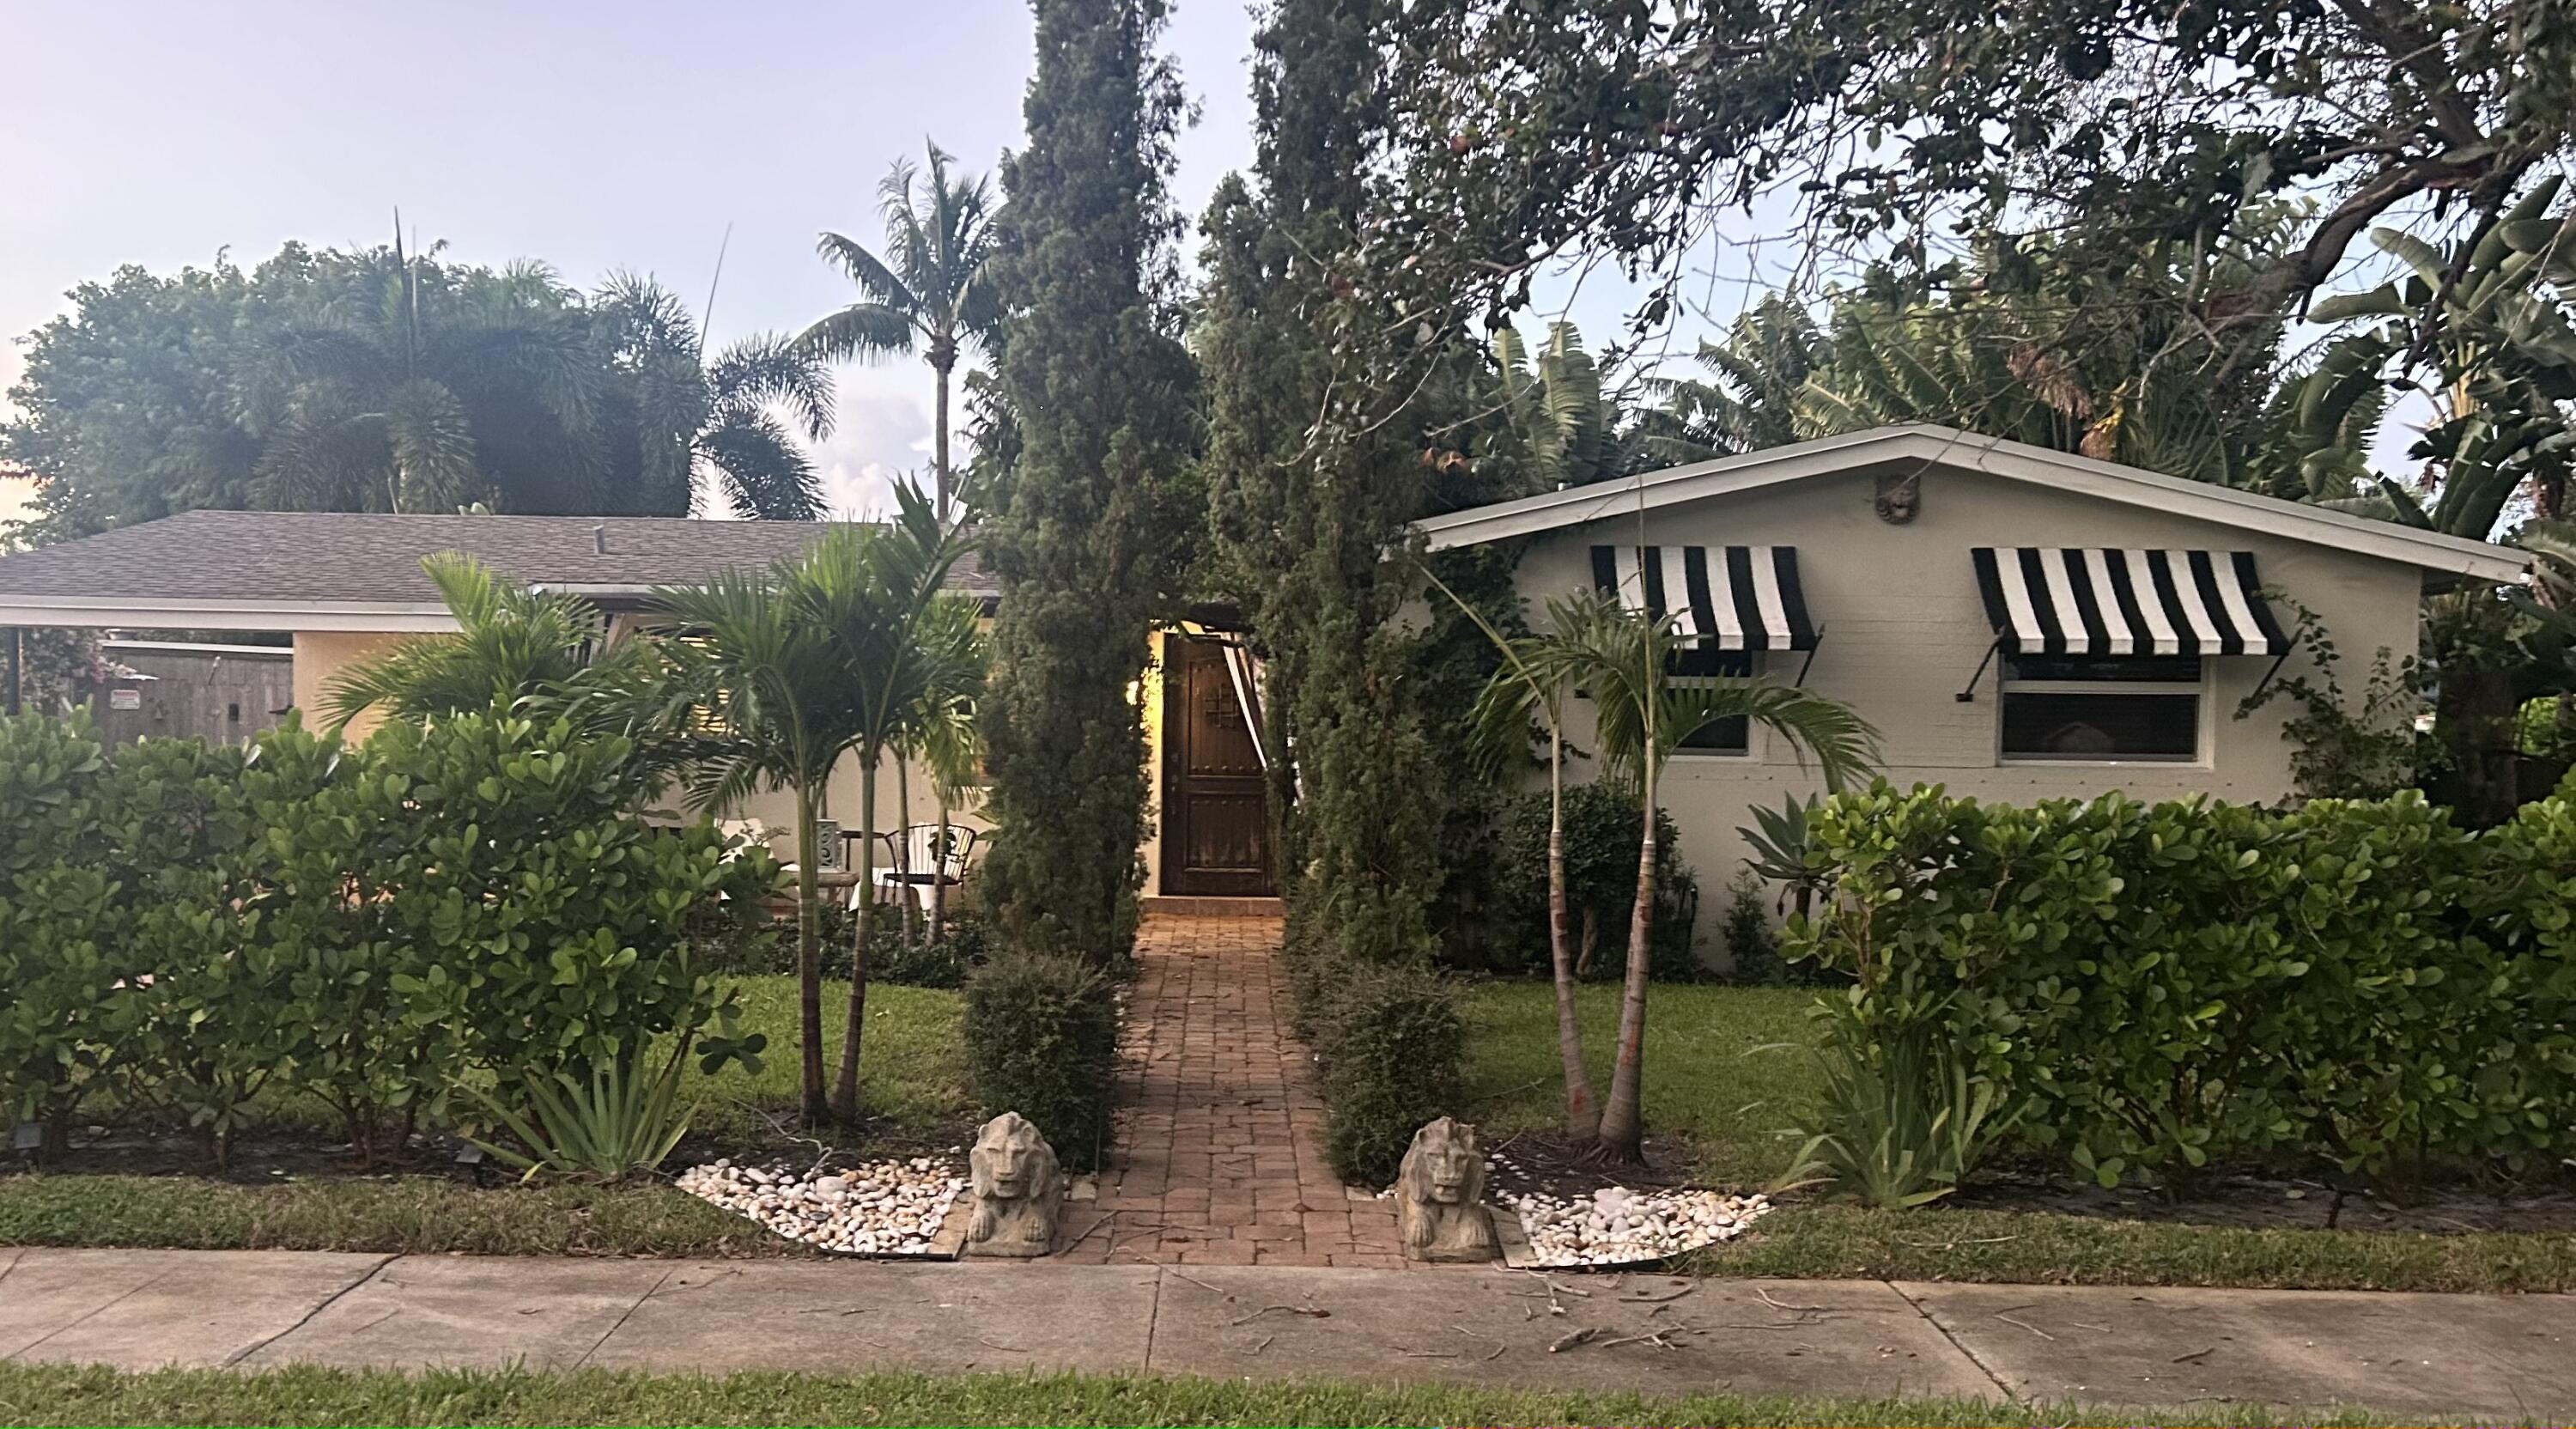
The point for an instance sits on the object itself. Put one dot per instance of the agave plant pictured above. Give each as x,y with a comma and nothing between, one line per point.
1901,1120
620,1123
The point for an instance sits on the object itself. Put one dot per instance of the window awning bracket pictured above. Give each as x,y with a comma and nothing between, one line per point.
1810,662
1968,696
2265,683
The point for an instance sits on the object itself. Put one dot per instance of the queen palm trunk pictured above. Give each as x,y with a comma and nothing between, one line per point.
1623,1131
809,960
845,1094
1582,1114
943,360
938,874
908,911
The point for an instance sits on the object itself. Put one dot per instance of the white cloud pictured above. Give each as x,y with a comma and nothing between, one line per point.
883,431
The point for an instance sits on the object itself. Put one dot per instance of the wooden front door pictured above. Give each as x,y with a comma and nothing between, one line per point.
1216,832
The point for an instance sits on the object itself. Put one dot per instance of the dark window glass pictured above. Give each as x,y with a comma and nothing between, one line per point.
2156,669
2100,726
1726,736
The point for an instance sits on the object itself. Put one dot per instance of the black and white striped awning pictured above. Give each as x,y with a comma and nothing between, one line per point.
2067,601
1747,599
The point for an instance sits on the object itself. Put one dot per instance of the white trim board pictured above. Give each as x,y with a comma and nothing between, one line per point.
112,613
1966,451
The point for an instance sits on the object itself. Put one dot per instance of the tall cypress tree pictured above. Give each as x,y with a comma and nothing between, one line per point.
1334,365
1092,525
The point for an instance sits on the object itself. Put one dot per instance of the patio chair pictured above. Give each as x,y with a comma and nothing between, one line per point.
923,865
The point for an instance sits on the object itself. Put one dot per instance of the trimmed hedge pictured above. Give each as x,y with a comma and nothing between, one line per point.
2183,984
1602,826
1041,1034
1390,1042
194,924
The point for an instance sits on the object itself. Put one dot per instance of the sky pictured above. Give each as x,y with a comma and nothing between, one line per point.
594,136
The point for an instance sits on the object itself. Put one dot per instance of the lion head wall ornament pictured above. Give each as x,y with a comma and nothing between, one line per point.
1898,498
1017,1188
1440,1193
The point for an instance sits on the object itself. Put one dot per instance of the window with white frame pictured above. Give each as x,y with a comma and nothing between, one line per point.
2087,708
1726,736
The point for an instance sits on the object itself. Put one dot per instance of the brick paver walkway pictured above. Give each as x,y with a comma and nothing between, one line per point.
1219,1156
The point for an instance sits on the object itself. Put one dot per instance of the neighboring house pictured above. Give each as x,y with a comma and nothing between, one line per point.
349,586
2018,623
224,694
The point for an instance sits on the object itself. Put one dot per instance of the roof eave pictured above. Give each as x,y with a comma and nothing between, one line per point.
116,613
2448,555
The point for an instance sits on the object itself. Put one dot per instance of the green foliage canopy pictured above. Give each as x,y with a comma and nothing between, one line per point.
386,380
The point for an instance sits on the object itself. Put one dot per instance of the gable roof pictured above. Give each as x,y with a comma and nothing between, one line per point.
317,570
1966,451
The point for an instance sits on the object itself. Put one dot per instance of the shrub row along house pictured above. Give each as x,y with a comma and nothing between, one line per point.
2018,623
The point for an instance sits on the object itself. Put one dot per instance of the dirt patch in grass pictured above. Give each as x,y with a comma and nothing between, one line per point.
2286,1202
1547,1163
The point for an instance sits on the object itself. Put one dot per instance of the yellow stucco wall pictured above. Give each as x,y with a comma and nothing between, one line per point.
320,656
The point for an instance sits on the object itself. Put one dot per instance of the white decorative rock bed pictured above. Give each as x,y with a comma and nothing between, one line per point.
878,1208
1619,1226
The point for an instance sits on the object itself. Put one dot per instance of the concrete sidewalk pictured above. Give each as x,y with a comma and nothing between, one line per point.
2418,1356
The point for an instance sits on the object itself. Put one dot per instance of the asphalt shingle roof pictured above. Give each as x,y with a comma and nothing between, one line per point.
343,556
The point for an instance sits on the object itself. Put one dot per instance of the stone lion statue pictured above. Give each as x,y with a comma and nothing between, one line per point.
1439,1195
1017,1188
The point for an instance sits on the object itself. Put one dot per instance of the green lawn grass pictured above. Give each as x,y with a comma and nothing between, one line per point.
384,1215
912,1068
1716,1070
46,1394
1809,1239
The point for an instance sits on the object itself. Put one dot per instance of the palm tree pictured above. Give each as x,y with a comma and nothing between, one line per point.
895,637
546,653
1769,351
829,654
767,679
949,732
412,386
1516,694
510,642
678,424
1620,658
931,289
1574,432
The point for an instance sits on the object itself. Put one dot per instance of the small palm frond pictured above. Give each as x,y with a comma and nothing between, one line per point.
1621,659
869,331
432,444
510,643
876,281
637,316
769,368
760,471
